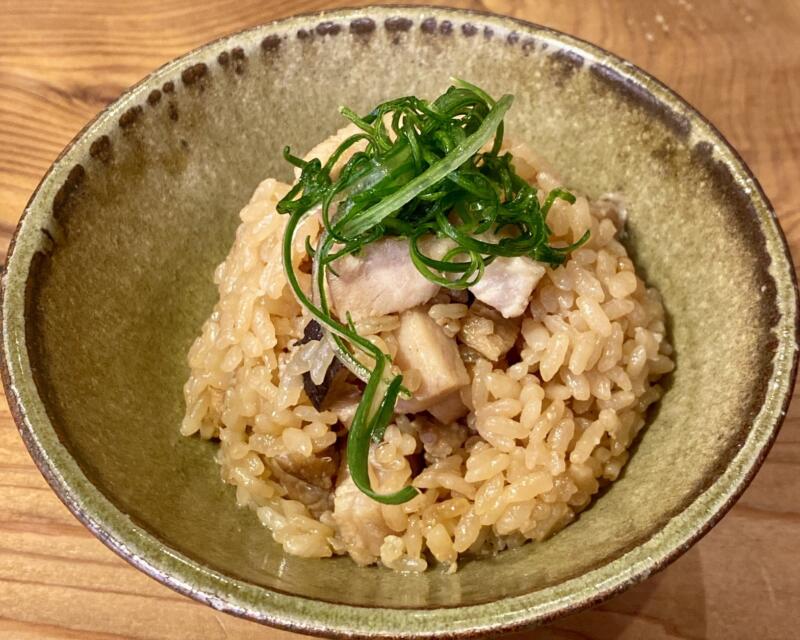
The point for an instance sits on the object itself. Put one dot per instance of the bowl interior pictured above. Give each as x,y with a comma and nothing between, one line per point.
132,229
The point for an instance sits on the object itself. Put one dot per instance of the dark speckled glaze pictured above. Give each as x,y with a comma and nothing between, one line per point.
109,280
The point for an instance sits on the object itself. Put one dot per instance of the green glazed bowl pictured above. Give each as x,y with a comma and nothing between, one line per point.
108,281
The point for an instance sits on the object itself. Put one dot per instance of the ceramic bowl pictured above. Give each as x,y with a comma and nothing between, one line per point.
108,281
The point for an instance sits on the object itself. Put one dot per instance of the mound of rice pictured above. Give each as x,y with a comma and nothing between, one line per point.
547,428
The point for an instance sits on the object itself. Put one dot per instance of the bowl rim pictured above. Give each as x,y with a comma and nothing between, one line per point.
303,615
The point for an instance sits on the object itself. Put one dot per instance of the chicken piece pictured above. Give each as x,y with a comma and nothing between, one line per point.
449,409
359,521
382,279
422,345
487,332
507,284
325,148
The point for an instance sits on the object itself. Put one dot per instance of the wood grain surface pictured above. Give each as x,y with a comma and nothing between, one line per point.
737,61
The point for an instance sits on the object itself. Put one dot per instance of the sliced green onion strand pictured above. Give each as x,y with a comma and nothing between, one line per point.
431,176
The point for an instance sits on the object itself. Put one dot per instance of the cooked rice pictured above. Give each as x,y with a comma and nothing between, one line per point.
556,399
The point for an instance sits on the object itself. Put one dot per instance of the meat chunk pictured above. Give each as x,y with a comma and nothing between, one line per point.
382,279
325,148
488,332
359,521
449,409
507,284
422,345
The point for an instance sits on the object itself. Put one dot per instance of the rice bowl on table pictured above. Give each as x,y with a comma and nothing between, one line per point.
501,339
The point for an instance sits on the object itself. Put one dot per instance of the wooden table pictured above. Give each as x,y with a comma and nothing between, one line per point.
738,61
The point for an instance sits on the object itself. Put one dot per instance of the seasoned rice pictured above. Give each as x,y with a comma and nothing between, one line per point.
556,398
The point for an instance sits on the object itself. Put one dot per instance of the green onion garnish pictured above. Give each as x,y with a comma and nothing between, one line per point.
421,173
